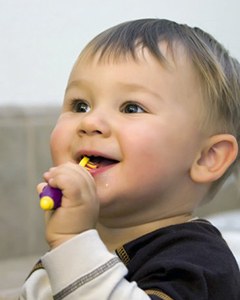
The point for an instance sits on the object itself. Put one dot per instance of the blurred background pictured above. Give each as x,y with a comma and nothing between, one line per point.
40,41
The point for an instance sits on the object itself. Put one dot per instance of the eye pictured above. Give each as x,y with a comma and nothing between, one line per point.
132,108
80,106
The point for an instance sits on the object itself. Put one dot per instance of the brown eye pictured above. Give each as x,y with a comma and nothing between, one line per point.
80,106
132,108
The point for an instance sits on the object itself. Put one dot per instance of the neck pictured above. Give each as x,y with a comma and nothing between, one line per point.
116,237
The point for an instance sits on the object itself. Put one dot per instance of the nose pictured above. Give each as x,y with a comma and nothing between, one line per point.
94,123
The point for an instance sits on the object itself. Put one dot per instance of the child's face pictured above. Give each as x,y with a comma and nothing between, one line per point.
142,116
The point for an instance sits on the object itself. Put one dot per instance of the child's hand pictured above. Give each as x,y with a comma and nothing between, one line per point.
79,209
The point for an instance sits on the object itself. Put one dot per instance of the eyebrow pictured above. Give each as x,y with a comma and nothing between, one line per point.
127,86
77,84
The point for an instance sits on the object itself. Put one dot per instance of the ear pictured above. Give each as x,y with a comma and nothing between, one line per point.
215,157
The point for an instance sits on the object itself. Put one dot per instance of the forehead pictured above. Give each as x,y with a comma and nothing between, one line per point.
175,73
170,57
173,81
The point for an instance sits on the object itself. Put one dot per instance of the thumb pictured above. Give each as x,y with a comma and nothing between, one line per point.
40,187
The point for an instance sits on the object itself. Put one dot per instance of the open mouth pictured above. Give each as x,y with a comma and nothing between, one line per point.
99,162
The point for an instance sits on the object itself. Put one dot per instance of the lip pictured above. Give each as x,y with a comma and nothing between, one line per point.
100,170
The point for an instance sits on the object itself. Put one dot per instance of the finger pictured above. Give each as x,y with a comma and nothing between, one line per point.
40,187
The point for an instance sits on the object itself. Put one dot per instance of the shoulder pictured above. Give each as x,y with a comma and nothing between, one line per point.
170,240
183,256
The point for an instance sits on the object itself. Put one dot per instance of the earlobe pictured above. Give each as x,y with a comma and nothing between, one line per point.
215,157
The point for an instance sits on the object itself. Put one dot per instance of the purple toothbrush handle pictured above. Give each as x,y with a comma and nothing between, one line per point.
53,194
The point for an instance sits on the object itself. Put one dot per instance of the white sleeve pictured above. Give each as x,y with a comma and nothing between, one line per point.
83,268
37,287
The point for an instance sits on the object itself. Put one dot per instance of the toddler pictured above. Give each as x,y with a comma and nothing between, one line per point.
155,105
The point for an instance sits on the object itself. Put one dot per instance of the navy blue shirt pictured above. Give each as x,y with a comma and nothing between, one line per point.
185,261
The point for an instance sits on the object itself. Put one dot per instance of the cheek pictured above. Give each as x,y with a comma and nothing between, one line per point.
59,144
143,157
142,146
158,153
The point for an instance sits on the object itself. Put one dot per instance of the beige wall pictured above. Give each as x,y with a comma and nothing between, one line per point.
24,148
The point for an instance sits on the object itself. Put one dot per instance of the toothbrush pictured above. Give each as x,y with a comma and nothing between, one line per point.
51,198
